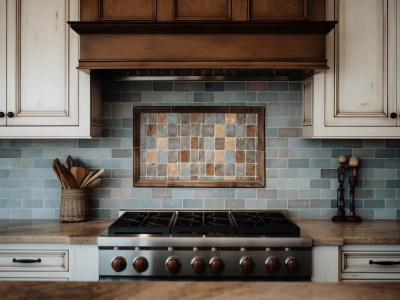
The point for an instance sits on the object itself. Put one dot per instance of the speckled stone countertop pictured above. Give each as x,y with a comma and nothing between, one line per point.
199,290
326,232
323,232
51,231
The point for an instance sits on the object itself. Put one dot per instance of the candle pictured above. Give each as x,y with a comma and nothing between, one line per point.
353,162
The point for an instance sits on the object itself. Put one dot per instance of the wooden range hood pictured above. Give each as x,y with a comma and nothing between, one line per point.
234,39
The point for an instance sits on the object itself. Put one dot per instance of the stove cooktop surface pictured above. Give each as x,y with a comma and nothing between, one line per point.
192,223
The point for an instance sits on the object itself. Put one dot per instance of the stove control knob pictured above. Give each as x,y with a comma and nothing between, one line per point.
118,264
272,264
292,264
247,264
198,264
217,265
140,264
173,264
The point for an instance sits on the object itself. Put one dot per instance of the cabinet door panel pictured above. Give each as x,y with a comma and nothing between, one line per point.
45,90
3,60
202,10
360,77
277,10
128,10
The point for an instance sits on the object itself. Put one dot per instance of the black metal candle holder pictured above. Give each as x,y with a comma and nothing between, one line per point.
352,166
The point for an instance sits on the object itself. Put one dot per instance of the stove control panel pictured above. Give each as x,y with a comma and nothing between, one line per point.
212,262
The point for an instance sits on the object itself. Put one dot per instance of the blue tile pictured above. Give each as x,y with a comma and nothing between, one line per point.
214,86
203,97
374,203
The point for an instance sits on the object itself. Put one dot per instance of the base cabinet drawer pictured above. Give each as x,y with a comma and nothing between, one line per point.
370,264
34,261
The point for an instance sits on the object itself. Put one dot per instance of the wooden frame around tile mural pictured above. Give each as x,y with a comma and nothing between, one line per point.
197,146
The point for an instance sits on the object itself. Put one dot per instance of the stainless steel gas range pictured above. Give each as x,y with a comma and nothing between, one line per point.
204,245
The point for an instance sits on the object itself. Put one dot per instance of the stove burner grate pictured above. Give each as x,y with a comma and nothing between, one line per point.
215,223
143,222
265,223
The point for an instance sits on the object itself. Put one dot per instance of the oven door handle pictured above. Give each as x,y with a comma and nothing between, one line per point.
384,263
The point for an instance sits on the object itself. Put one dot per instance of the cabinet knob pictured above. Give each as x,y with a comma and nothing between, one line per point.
2,114
10,114
393,115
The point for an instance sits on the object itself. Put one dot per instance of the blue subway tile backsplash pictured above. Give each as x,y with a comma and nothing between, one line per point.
301,174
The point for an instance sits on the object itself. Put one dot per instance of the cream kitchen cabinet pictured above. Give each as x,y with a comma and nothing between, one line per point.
356,262
49,262
370,263
325,264
359,96
42,93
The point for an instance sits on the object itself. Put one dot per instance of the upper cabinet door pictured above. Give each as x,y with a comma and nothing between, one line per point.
358,96
361,82
42,58
3,62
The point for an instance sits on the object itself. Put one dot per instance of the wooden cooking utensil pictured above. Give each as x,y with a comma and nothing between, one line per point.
69,180
94,184
79,174
55,169
70,162
86,179
74,173
94,176
57,164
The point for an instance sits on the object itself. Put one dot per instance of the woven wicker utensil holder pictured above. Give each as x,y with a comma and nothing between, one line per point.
74,205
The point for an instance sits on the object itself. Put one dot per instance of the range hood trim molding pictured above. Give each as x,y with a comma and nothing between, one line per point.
269,27
271,45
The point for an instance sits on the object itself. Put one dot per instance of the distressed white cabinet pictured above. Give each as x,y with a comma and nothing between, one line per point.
42,94
49,262
325,264
3,61
370,263
359,96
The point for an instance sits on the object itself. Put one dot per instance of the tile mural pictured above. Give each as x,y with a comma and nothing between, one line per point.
207,146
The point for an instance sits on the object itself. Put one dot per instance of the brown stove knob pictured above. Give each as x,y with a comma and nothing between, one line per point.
217,265
173,264
198,264
118,264
292,264
140,264
272,264
247,264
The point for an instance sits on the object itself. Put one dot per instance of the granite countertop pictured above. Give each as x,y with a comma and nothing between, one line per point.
51,231
323,232
199,290
328,233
